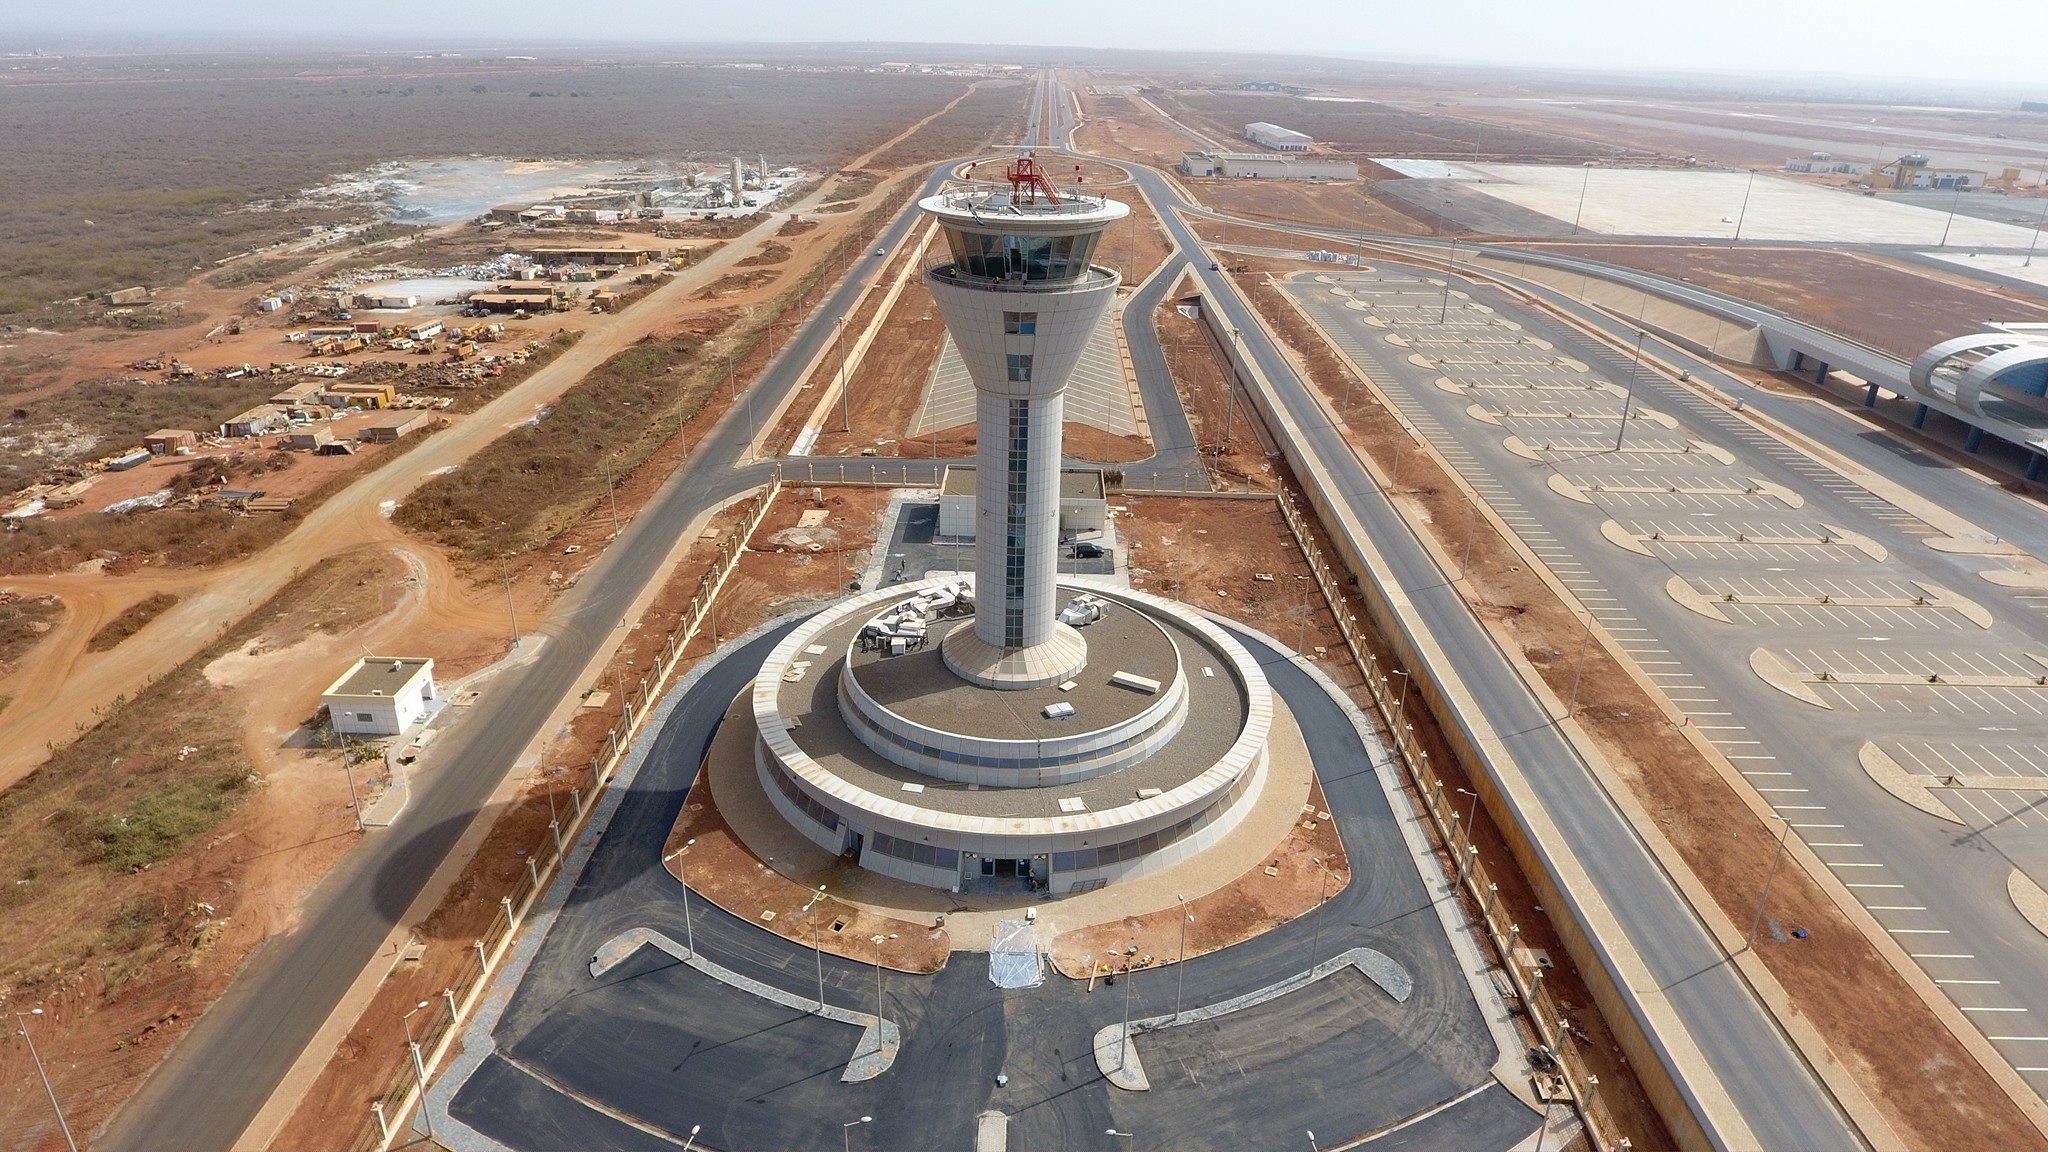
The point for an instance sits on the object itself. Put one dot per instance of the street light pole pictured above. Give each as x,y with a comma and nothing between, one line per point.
348,769
1744,213
692,1141
1301,638
21,1020
511,607
1123,1041
846,1132
816,951
1315,947
1583,186
2036,237
683,874
1181,957
878,974
1953,204
1628,399
1471,813
1443,314
610,493
845,404
1756,922
1130,1139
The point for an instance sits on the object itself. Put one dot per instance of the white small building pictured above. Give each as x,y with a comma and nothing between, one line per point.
380,695
1084,504
1265,166
1825,164
1276,138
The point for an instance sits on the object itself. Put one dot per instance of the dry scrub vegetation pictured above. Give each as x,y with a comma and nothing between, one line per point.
24,621
79,836
538,479
131,620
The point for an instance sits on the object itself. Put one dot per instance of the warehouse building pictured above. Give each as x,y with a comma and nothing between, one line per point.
170,441
388,429
1276,138
381,696
1265,166
618,255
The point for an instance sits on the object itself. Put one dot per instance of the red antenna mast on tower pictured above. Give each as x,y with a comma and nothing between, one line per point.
1024,173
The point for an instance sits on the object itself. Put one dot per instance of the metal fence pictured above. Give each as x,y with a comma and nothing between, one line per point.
1546,1016
431,1030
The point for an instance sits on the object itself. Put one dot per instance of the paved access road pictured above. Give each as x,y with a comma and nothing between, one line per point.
212,1084
659,1043
1784,1104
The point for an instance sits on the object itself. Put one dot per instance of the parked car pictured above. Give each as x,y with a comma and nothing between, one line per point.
1087,551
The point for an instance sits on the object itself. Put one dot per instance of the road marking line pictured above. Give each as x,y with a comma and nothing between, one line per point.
1966,981
1896,907
1953,956
1917,931
1873,885
1981,1008
1833,844
1844,864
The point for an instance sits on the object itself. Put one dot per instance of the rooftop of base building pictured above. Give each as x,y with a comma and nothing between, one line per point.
1217,713
920,688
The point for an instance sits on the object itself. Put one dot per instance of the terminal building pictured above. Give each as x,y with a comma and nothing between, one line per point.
1277,139
1020,727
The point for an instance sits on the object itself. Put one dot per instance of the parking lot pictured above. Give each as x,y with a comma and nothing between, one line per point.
1711,553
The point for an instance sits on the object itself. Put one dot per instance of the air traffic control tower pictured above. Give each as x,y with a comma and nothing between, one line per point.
1020,298
963,734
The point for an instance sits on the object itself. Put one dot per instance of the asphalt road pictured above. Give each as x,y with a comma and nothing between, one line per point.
211,1085
1777,1094
660,1043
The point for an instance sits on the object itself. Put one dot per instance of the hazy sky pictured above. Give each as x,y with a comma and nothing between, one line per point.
1988,41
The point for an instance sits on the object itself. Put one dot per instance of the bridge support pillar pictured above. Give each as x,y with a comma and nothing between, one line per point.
1920,416
1974,440
1870,397
1820,374
2034,463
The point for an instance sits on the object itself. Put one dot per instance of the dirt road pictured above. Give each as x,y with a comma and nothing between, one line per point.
69,685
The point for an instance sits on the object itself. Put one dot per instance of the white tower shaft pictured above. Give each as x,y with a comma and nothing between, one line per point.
1020,300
